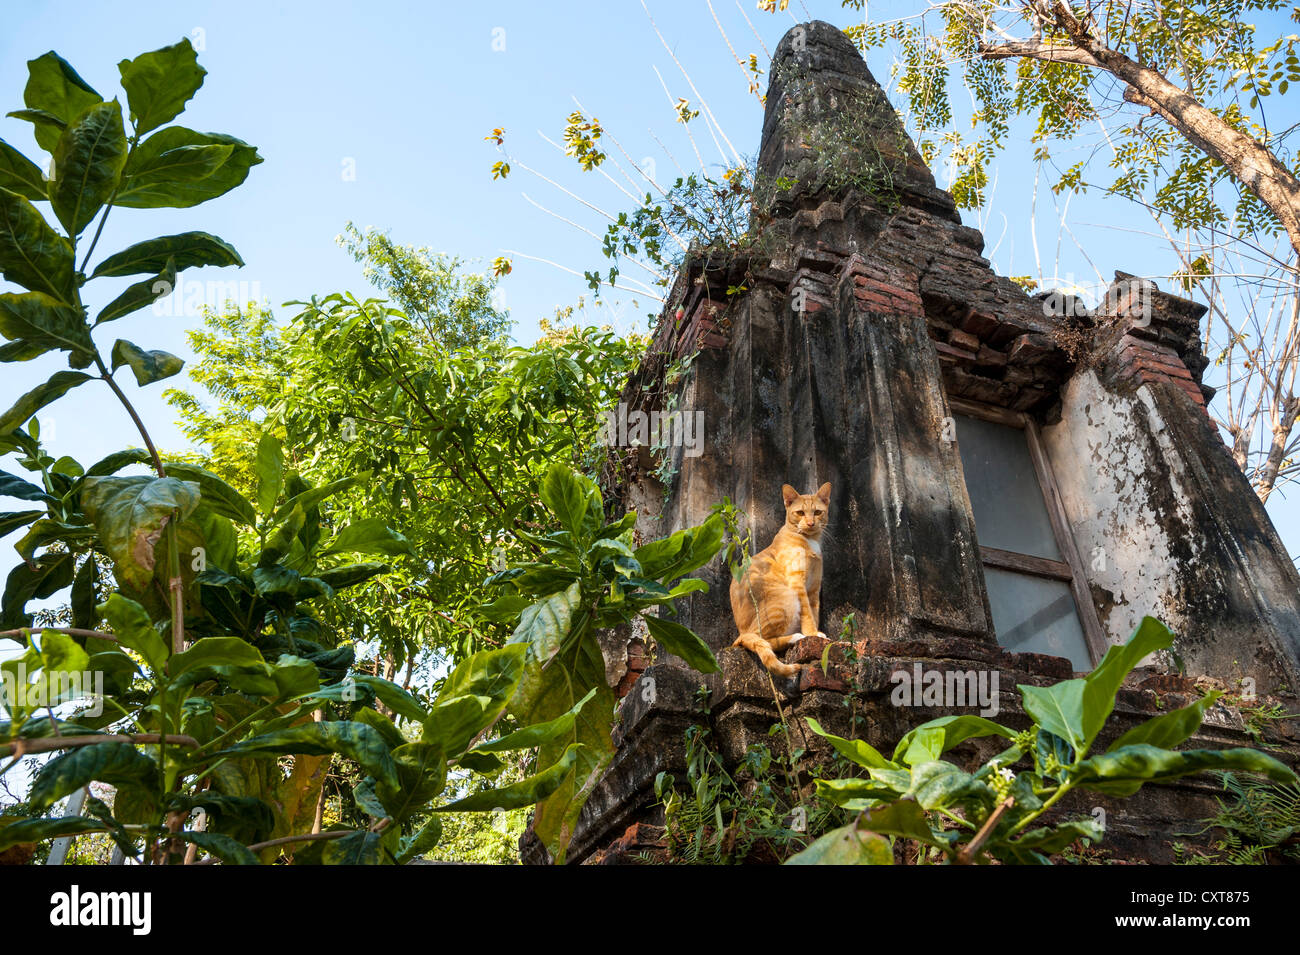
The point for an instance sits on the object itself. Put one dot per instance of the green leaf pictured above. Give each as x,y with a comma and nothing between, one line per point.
370,535
313,496
350,575
45,123
394,697
10,521
846,845
1170,729
44,322
19,174
84,614
353,740
11,486
359,848
950,731
158,175
32,254
682,552
940,784
215,651
526,792
905,818
453,721
47,532
60,653
111,763
131,625
854,750
140,294
281,542
493,674
422,769
54,88
1101,685
51,574
1123,771
543,626
1053,839
187,250
682,642
21,831
1057,709
59,384
148,366
130,514
566,495
159,84
539,733
418,843
214,493
87,162
270,472
221,847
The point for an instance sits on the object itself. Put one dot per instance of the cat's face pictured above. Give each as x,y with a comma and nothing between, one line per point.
807,513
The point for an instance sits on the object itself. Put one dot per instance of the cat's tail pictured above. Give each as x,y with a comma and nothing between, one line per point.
752,641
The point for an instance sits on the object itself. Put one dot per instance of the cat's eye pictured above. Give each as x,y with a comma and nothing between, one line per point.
819,512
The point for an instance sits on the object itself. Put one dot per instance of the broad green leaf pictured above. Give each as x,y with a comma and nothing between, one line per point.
60,653
10,521
186,250
32,254
313,496
544,625
539,733
221,847
358,848
565,494
381,724
294,676
158,176
1170,729
58,384
131,625
11,486
19,174
140,294
51,573
160,83
281,541
55,89
1057,709
904,817
1101,685
107,762
418,843
940,784
45,322
148,366
270,473
350,575
847,845
214,493
130,514
680,553
48,531
682,642
1122,772
526,792
422,769
854,750
214,651
953,730
20,831
370,535
1053,839
493,674
353,740
87,162
453,721
394,697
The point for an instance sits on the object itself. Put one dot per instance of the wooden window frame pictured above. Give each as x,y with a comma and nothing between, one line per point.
1070,570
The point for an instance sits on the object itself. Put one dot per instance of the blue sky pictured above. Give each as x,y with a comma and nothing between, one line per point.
403,95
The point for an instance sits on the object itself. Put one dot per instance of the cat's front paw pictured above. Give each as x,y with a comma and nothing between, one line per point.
796,637
821,634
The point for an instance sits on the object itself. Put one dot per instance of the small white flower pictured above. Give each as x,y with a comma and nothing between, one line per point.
1007,774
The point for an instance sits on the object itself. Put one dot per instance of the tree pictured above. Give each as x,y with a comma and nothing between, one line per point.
455,307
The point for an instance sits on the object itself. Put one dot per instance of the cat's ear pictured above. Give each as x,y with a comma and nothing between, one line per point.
824,493
788,494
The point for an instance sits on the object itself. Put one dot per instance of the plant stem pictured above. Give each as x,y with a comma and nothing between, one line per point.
126,403
969,851
46,744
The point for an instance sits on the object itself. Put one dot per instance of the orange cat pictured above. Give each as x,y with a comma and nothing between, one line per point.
778,600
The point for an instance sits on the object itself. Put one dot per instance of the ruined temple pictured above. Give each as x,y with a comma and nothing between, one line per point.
1017,480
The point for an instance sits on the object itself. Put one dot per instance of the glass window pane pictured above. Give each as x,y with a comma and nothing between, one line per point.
1003,488
1036,615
